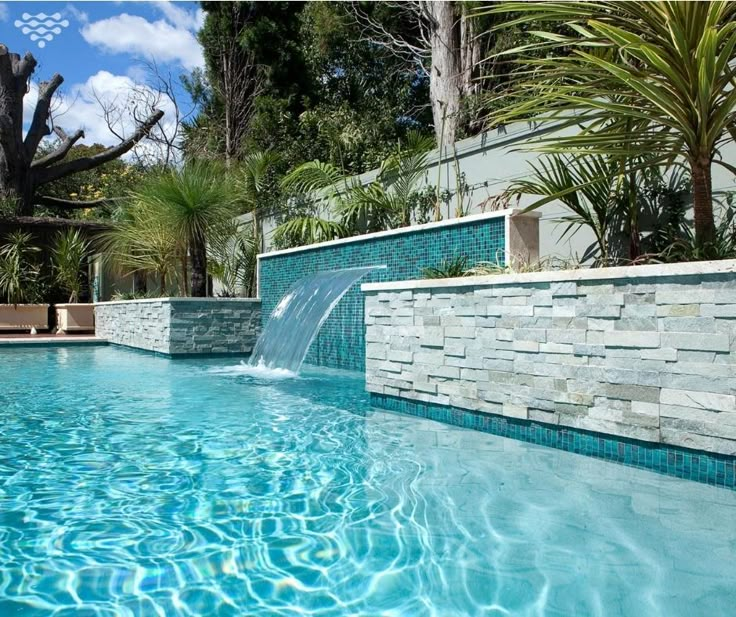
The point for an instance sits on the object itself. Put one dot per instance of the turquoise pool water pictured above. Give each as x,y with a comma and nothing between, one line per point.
137,485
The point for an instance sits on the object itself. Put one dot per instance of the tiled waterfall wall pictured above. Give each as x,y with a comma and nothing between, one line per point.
404,252
181,326
644,352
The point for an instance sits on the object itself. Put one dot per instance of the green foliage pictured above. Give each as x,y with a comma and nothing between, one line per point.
687,248
141,242
135,295
305,230
190,200
447,269
625,204
173,215
19,269
326,92
231,250
113,180
390,201
522,265
69,255
8,206
650,79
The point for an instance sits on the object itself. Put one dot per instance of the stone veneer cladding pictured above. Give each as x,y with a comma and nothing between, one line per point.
341,340
181,326
647,353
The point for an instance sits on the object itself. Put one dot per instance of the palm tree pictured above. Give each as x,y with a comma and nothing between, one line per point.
256,170
191,201
639,77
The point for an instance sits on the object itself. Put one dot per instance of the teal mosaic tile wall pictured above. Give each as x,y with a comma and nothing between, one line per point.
341,341
706,467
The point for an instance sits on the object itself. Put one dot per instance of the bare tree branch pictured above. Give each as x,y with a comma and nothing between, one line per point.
60,152
49,174
68,204
39,125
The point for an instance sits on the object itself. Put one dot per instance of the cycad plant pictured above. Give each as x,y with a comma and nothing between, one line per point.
69,255
654,78
191,201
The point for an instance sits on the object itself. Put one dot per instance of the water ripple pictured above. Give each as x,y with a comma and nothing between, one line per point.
137,486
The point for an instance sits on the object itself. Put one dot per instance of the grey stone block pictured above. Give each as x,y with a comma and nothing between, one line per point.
645,394
622,338
698,399
696,341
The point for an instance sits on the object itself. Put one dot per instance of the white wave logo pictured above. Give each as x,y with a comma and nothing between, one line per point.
41,27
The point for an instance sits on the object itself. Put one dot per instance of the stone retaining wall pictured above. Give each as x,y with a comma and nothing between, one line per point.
181,326
645,352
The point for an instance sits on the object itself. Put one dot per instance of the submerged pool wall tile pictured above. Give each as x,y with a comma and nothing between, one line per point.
703,467
646,353
405,253
181,326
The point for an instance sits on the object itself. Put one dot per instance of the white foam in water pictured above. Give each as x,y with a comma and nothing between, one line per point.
260,371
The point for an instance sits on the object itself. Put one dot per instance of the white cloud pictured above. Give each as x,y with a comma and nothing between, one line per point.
4,12
181,17
158,40
78,14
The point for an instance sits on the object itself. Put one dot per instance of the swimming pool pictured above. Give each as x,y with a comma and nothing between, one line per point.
137,485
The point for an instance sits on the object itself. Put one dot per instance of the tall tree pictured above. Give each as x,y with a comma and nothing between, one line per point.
438,38
22,173
325,92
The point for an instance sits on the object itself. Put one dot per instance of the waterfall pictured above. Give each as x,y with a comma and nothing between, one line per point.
297,318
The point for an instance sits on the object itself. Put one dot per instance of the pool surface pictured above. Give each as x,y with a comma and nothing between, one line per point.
137,485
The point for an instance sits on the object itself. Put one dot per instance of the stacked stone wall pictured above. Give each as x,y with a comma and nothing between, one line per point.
181,326
647,353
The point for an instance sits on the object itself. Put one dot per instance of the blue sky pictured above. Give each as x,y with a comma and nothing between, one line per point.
100,53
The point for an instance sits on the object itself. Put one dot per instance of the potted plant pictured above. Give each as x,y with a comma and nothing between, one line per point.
69,255
19,274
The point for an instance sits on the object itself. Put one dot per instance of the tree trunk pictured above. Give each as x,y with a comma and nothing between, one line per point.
702,200
20,173
185,272
446,72
198,250
140,285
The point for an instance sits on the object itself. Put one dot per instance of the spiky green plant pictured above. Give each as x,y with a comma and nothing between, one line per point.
139,243
385,203
191,201
69,255
19,269
653,78
448,268
304,230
